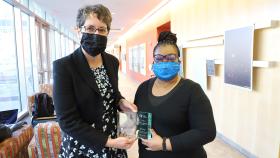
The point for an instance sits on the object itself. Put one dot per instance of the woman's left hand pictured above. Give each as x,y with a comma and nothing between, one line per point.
126,106
154,144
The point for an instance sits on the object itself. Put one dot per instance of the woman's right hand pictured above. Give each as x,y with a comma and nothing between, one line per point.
120,142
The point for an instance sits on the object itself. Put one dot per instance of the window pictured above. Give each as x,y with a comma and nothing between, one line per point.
57,45
71,46
45,55
9,85
24,2
28,48
62,43
20,59
27,54
42,52
52,45
67,49
52,49
34,7
33,39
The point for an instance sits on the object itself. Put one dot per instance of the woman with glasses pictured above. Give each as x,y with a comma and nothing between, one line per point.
182,117
86,94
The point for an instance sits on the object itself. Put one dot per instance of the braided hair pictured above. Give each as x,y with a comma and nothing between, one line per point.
167,38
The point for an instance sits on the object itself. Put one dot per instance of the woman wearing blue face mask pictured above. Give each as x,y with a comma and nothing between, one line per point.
86,94
182,117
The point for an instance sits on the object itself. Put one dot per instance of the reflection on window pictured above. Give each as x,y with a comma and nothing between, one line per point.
9,87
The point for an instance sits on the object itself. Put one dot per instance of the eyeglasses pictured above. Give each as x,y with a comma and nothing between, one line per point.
92,29
168,57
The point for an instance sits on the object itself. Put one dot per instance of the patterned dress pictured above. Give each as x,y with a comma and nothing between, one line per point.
109,124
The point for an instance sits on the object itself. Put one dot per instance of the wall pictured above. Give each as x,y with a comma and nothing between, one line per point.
146,33
248,118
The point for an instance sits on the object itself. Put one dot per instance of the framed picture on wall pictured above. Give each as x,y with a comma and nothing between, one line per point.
142,58
238,56
130,58
134,59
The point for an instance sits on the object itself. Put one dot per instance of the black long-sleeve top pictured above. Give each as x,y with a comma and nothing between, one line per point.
184,115
77,100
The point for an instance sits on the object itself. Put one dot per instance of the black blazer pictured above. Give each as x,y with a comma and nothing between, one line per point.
77,99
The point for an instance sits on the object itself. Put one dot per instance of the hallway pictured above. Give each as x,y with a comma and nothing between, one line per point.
215,149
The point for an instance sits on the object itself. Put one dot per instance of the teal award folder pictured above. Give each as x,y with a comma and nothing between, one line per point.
144,125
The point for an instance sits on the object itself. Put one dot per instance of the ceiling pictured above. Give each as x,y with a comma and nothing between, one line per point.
126,13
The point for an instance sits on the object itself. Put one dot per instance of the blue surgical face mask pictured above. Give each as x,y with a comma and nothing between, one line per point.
166,70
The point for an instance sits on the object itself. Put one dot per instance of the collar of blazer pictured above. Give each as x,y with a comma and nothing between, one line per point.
86,73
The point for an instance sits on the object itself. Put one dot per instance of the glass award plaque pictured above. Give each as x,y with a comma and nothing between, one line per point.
127,124
135,124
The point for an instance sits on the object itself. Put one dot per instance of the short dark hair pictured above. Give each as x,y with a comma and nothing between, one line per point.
102,12
167,38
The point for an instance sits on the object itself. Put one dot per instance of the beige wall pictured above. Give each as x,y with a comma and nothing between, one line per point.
146,33
248,118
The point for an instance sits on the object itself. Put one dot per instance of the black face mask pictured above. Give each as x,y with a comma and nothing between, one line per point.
93,44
